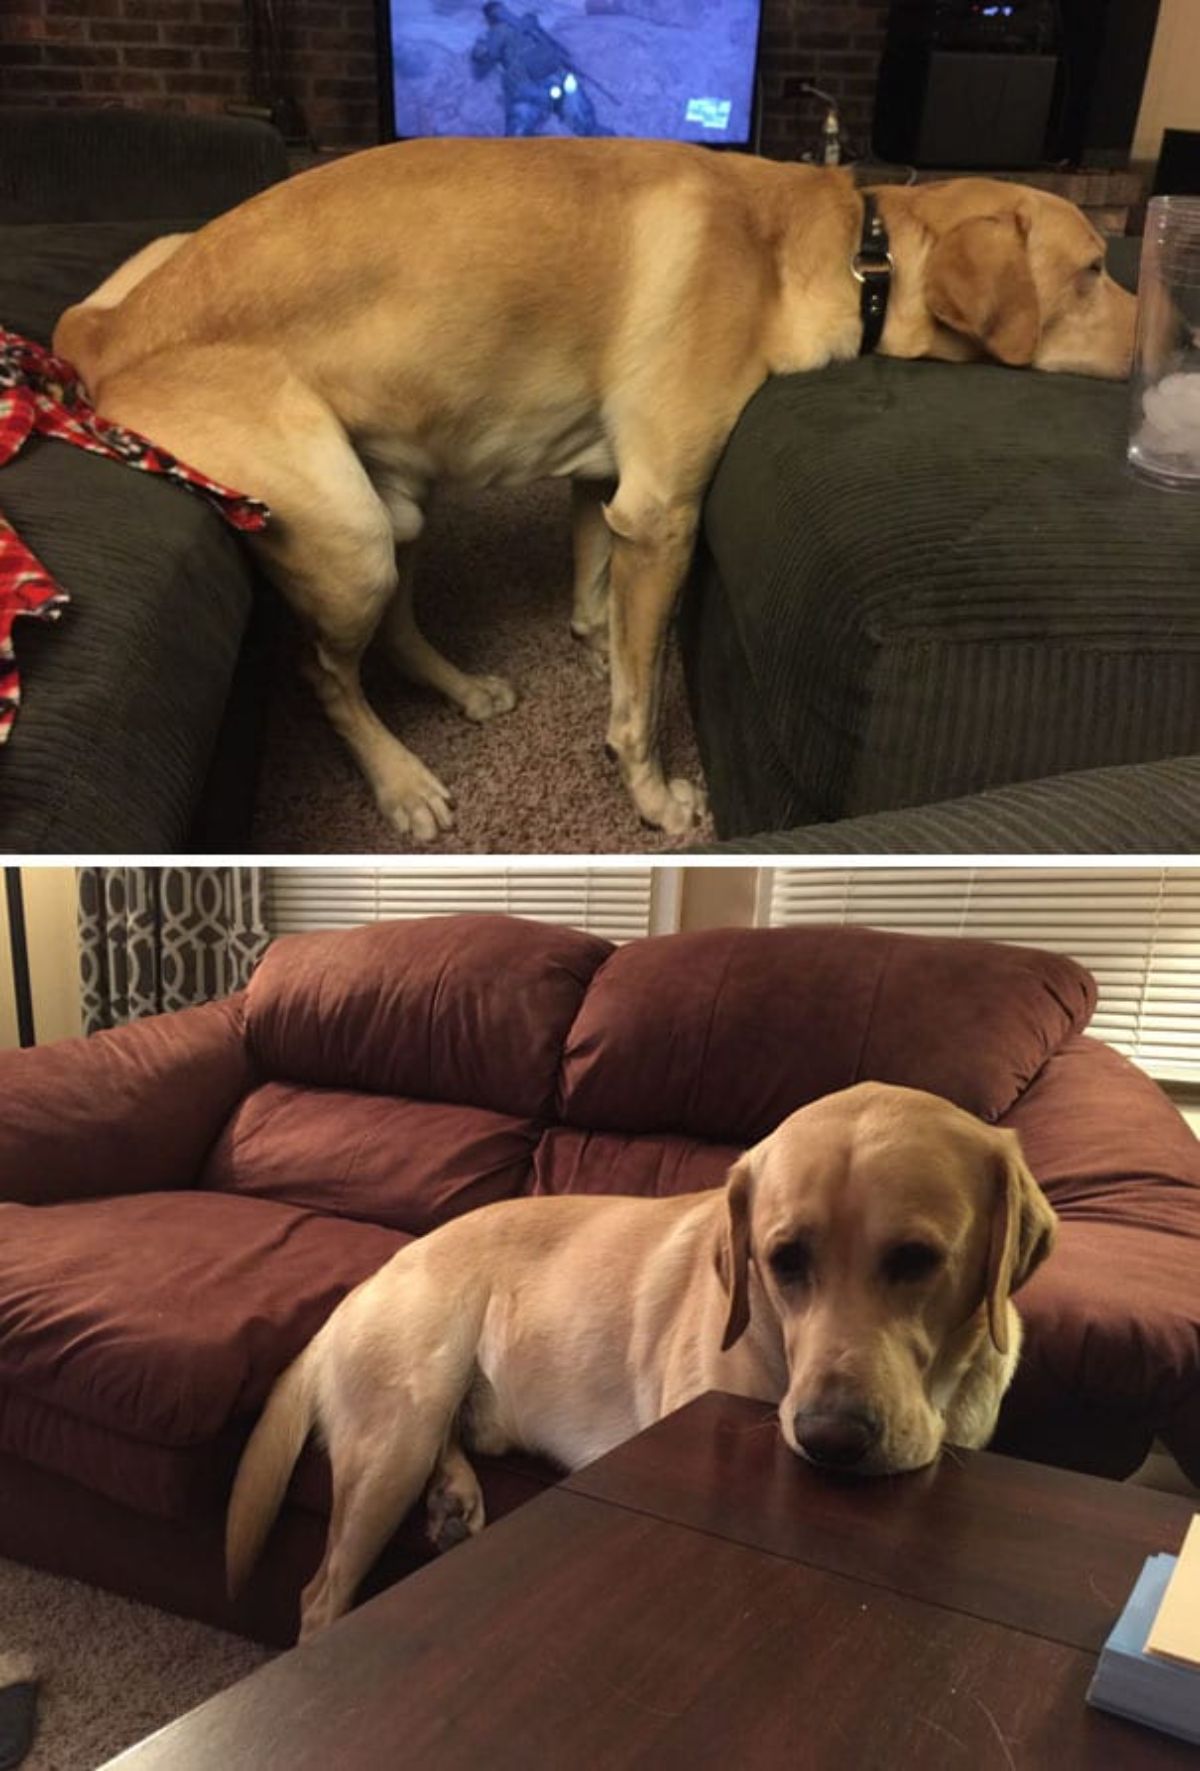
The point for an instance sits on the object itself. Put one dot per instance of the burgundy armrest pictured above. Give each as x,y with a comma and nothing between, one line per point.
131,1111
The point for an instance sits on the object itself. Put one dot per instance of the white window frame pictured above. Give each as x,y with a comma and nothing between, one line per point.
618,901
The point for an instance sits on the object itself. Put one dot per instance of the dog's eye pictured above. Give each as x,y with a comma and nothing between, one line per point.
791,1261
909,1261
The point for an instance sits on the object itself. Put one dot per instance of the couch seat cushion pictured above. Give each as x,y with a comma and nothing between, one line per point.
923,579
155,1323
411,1165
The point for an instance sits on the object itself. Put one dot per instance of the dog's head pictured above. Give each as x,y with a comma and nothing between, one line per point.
1018,275
886,1231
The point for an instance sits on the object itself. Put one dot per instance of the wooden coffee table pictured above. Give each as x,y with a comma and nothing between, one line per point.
700,1597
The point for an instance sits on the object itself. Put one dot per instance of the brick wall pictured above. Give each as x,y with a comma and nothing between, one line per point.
835,47
192,55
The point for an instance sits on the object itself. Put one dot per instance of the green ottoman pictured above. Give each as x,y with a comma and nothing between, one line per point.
918,580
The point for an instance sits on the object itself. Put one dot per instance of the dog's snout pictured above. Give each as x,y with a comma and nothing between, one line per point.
838,1438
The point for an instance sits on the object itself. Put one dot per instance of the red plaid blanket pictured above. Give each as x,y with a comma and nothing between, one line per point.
40,392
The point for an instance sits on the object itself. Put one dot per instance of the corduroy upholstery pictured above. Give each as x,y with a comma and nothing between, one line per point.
1138,808
137,699
190,1196
920,580
126,165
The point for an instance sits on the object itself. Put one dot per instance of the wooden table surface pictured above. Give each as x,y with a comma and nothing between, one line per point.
700,1597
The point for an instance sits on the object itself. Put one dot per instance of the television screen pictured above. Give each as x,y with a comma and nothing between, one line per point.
680,70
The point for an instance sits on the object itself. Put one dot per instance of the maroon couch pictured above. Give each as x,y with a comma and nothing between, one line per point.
191,1196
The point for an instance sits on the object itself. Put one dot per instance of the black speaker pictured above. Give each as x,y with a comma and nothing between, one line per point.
986,110
923,114
966,83
1105,49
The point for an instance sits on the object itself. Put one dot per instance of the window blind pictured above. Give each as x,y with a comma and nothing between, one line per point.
615,902
1137,930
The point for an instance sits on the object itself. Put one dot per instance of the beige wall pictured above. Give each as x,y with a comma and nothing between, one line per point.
1172,96
49,894
718,897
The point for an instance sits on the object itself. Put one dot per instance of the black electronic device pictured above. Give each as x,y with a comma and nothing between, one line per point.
966,83
1011,27
1012,83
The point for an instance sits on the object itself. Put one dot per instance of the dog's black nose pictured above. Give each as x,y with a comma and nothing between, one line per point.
837,1438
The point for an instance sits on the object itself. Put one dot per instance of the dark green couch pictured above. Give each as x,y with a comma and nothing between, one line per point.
918,582
137,727
1136,809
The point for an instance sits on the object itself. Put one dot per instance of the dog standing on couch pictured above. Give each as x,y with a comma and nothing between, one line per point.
493,312
857,1269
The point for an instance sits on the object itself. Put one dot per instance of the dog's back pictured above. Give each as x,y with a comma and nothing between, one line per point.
431,251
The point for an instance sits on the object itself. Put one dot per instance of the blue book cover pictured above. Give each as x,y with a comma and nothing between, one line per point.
1145,1687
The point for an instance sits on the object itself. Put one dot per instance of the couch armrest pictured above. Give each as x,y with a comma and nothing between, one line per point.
131,1111
123,165
1132,808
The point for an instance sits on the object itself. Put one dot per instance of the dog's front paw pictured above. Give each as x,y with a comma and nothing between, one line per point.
593,649
416,803
488,696
679,808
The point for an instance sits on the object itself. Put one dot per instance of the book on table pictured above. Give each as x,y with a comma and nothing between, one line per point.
1149,1668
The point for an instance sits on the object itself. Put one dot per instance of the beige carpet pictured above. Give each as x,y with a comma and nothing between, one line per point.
493,592
112,1671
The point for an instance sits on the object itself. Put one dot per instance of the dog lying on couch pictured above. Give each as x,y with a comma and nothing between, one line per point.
497,311
857,1269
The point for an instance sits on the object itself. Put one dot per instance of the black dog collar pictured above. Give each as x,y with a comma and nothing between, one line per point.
873,266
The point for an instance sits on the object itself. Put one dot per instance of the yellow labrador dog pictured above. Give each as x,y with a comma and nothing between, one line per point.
496,311
856,1269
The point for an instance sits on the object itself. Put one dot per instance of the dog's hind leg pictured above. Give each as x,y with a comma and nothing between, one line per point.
242,417
592,543
477,697
81,330
375,1482
454,1500
396,1361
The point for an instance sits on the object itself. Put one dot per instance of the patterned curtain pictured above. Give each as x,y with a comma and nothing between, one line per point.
158,938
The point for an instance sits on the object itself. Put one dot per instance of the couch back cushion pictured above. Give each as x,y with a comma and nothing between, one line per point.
411,1165
126,165
658,1167
722,1034
467,1010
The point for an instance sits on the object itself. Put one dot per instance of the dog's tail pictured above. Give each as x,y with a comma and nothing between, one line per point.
266,1467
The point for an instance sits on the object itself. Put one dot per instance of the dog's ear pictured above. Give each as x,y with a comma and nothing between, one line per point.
733,1251
1021,1235
978,282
